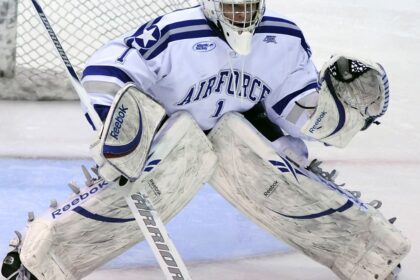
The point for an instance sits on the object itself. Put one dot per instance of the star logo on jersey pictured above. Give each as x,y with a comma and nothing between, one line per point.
147,38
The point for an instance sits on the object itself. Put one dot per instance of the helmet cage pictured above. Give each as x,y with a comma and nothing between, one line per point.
240,16
237,19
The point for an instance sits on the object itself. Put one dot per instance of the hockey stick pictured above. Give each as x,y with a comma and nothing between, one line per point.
69,68
141,207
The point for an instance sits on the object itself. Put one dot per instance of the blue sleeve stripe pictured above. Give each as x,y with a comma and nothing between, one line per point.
102,111
110,71
176,37
285,31
281,105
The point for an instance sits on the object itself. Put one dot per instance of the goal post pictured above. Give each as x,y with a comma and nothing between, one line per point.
29,66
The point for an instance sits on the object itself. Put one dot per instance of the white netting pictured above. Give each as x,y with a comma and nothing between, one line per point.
82,26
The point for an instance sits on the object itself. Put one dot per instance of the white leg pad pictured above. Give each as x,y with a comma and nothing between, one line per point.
93,227
313,215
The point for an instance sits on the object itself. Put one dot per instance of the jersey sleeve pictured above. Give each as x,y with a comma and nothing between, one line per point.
289,105
119,62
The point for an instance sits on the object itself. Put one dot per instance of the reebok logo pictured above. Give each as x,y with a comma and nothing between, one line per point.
118,121
154,188
271,189
71,205
317,122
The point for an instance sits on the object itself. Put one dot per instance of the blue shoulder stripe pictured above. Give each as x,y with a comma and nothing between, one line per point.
147,24
188,29
110,71
150,41
285,27
267,18
177,37
185,23
281,105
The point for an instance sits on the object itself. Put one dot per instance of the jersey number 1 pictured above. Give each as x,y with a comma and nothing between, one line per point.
219,107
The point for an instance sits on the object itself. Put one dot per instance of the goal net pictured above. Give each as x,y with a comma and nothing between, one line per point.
29,66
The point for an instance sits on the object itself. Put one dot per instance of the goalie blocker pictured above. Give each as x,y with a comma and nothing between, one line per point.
122,144
314,215
95,225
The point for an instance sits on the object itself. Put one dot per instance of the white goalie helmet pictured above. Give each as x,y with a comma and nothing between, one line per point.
237,19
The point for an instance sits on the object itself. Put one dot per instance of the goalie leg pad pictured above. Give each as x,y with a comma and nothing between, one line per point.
312,214
94,226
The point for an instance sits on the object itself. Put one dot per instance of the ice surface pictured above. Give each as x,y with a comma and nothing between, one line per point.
383,162
213,228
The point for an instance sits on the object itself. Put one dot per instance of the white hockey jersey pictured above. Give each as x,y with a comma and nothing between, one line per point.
183,62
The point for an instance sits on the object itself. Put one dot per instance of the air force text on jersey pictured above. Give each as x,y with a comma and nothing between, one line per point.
252,88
